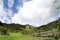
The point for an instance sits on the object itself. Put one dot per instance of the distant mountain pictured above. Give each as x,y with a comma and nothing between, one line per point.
49,26
15,26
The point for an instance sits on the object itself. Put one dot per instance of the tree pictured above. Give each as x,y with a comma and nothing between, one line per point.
28,30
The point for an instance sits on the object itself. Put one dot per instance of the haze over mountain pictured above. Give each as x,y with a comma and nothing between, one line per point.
32,12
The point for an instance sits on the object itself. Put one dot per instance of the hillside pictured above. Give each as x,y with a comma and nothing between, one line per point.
28,28
49,26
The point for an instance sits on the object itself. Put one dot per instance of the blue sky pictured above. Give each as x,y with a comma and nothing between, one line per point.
33,12
13,8
15,4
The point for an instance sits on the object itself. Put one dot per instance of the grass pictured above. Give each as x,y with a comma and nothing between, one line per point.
19,36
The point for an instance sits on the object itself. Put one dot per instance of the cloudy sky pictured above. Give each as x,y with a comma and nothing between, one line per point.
33,12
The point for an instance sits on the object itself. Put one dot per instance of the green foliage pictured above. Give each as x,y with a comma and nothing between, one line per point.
54,1
3,30
28,30
58,7
19,36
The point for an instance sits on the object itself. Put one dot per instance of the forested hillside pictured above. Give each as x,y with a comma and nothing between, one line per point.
18,27
50,30
49,26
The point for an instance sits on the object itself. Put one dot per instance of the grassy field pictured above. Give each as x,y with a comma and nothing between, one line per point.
18,36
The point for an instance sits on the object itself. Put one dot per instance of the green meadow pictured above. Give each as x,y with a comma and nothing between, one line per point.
13,31
19,36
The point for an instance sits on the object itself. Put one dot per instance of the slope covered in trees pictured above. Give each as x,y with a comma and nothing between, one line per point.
50,26
28,29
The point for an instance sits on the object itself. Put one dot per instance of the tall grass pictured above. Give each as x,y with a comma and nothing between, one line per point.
19,36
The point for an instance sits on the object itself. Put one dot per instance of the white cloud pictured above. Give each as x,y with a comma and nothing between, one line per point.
36,12
4,14
10,3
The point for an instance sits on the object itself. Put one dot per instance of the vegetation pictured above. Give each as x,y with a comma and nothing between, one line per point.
19,36
51,30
